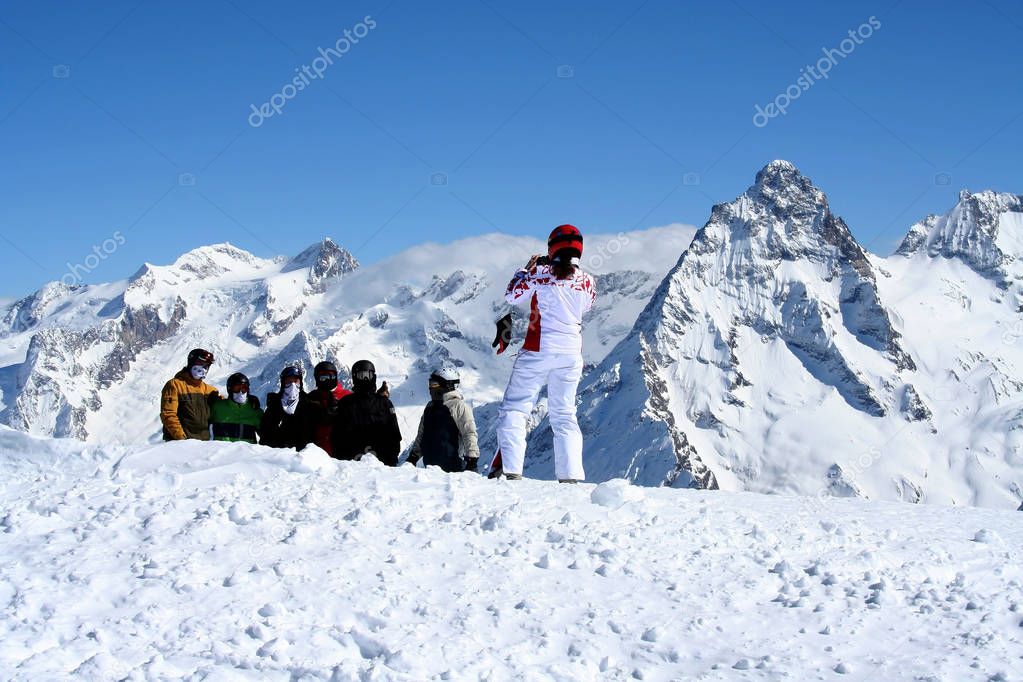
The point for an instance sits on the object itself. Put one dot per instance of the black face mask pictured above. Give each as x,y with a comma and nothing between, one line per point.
364,386
437,392
327,382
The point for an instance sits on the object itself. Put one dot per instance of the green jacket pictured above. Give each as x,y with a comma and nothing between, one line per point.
233,422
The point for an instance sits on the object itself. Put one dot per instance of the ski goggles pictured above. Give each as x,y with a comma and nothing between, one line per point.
200,357
331,376
364,375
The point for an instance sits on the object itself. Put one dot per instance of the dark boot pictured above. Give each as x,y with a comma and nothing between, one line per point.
513,477
568,480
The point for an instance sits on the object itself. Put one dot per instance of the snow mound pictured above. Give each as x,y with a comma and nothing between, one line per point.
230,561
219,464
615,493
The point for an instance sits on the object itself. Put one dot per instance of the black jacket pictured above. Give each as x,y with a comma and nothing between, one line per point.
282,430
319,412
366,421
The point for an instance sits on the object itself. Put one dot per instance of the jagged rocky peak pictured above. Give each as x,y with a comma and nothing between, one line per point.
984,230
917,236
788,196
783,216
781,185
736,275
325,260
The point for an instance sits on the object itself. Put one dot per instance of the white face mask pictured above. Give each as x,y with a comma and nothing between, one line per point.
198,372
241,397
289,398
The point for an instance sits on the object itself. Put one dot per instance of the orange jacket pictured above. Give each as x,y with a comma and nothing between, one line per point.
185,407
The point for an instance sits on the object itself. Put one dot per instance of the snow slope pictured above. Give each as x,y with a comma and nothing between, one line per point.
230,561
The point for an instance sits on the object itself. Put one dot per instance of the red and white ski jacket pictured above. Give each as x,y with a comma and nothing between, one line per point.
556,310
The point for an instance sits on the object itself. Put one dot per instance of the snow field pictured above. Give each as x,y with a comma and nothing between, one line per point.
187,560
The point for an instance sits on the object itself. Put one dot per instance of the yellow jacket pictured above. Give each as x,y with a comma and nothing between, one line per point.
185,407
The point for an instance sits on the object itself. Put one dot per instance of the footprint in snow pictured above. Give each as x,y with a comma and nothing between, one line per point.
256,631
268,610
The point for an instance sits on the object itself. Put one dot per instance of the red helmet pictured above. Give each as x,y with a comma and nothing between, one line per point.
565,237
200,356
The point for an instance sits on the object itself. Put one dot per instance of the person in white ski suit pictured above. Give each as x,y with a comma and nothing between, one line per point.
559,294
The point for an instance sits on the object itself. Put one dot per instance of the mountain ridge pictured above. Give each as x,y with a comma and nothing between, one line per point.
79,359
774,354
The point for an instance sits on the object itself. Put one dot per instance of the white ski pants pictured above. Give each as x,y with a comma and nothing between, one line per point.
561,372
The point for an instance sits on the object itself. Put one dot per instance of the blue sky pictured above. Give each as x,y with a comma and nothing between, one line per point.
446,120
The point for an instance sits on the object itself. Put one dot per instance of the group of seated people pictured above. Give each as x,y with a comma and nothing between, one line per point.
345,424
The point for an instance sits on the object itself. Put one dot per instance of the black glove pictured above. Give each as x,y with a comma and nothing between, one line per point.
504,334
472,464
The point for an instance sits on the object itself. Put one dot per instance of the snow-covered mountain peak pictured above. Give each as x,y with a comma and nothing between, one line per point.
780,185
776,244
783,216
781,174
26,312
771,320
325,260
204,264
777,166
984,230
215,260
779,355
